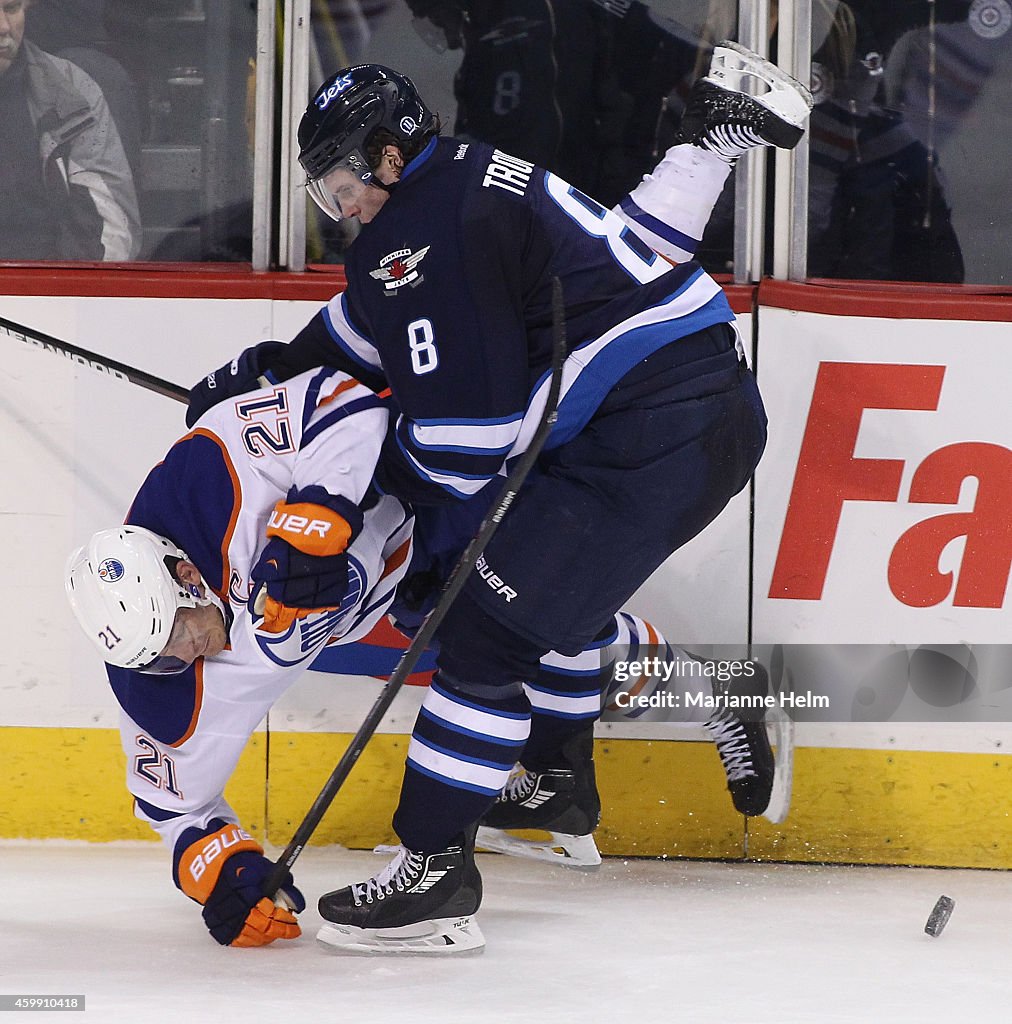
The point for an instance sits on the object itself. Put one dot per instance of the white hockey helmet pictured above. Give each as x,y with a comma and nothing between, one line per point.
123,590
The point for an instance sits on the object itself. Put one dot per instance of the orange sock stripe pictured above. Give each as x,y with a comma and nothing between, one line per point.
200,865
313,529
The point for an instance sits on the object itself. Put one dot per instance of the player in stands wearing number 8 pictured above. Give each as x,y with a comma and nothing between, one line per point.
448,303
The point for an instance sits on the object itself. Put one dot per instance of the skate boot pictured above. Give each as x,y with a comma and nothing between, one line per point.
745,752
561,801
420,903
722,117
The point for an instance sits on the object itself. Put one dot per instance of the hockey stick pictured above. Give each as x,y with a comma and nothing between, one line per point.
102,364
452,587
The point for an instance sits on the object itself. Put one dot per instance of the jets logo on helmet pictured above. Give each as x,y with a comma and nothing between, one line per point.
325,96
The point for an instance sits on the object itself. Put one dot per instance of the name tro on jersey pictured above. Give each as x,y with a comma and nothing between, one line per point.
508,172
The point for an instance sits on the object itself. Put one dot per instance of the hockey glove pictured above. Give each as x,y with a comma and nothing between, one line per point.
304,567
242,374
223,868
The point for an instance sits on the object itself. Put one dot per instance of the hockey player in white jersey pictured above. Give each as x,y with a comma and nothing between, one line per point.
278,544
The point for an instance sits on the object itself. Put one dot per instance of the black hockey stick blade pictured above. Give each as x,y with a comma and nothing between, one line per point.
93,360
452,587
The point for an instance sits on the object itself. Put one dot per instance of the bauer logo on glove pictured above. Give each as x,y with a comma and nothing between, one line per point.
304,567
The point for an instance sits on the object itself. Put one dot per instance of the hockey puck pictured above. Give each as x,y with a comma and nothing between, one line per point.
939,916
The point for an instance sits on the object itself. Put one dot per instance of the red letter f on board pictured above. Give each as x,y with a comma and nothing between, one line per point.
828,474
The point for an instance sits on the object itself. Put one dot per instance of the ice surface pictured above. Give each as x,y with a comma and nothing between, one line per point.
637,941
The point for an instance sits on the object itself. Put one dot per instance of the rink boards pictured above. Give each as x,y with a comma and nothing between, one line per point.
885,429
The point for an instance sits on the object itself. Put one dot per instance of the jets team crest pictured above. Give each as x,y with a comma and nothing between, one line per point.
399,268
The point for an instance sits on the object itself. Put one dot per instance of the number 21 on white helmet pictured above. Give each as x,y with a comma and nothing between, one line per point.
124,591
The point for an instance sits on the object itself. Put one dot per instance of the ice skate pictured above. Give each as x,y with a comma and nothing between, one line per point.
723,116
745,752
561,801
420,903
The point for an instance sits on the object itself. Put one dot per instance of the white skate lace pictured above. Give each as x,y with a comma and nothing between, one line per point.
732,744
405,866
731,141
519,786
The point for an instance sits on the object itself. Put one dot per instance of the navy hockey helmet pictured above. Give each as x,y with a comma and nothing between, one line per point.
344,113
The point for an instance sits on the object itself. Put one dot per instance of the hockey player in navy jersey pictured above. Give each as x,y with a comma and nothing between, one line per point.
660,424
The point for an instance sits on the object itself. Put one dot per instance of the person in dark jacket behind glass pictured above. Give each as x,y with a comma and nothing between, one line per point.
65,182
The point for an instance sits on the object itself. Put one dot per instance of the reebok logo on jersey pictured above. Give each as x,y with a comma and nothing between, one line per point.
508,172
495,582
399,268
461,150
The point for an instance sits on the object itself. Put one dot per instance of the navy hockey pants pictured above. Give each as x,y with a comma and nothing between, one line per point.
670,446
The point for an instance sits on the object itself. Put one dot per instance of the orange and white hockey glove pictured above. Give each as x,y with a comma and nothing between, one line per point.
304,567
224,868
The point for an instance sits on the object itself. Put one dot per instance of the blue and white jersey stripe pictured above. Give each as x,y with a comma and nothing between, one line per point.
480,437
460,485
593,369
347,336
458,455
461,456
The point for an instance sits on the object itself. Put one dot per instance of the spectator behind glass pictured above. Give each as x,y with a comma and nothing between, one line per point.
877,210
575,86
76,30
65,183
